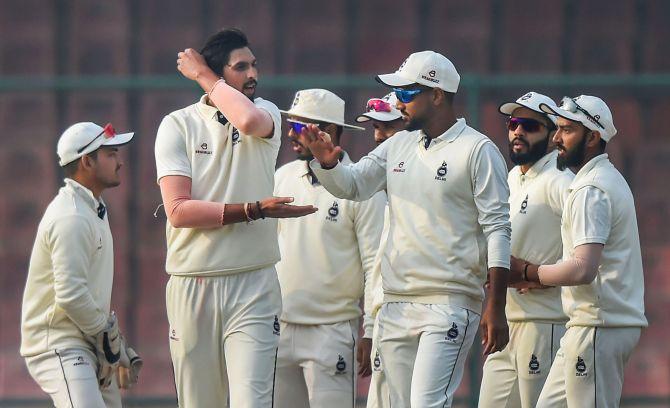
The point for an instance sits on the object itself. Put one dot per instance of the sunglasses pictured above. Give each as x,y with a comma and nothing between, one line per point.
406,95
572,106
108,131
298,126
378,105
527,124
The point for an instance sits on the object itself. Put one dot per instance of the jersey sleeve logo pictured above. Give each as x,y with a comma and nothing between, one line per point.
235,136
341,365
533,365
580,368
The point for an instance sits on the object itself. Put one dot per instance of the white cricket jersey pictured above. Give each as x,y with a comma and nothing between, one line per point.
225,166
600,209
328,256
374,303
536,204
69,286
449,212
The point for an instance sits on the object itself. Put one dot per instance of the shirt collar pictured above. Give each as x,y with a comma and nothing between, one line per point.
540,165
449,135
597,161
206,110
84,193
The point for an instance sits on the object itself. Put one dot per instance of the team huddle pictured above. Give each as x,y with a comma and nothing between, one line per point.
429,230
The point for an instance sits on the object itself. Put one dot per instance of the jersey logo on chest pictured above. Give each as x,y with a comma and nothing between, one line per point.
524,205
235,136
333,212
203,149
442,172
400,168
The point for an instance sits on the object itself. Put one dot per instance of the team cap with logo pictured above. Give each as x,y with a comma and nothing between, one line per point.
86,137
381,109
590,111
427,68
531,100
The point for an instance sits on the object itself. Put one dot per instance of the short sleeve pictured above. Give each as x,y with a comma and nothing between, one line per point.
590,212
273,110
170,150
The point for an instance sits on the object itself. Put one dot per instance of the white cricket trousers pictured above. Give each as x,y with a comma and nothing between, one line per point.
70,378
589,367
378,394
316,365
224,332
423,348
514,377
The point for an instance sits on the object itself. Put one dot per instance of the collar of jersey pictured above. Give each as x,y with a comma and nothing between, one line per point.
84,193
539,165
588,167
449,136
207,111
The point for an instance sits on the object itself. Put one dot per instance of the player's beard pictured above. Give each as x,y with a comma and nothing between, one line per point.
571,158
535,151
253,94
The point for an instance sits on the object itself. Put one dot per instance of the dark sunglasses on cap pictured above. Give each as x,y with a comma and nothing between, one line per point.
378,105
407,95
527,124
572,106
108,131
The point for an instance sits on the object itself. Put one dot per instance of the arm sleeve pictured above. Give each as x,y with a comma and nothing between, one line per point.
182,212
357,181
491,195
581,269
242,112
368,224
170,150
72,242
590,215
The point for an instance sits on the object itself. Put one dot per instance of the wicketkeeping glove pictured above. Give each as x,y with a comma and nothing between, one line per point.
108,350
130,364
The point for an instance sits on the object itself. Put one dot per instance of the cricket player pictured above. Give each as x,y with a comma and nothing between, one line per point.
514,376
386,121
215,161
322,286
449,217
69,339
601,271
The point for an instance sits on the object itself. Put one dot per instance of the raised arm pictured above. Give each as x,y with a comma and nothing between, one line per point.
358,181
233,104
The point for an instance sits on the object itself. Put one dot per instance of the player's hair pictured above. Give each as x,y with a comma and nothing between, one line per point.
70,169
218,47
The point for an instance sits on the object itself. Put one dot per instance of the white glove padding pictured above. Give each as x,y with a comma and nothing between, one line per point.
130,365
108,350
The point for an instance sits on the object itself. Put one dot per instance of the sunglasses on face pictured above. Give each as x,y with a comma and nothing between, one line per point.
298,127
527,124
108,131
406,95
572,106
378,105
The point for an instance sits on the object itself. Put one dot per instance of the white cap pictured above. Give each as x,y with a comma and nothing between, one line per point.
319,105
532,101
381,116
599,117
85,137
426,68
